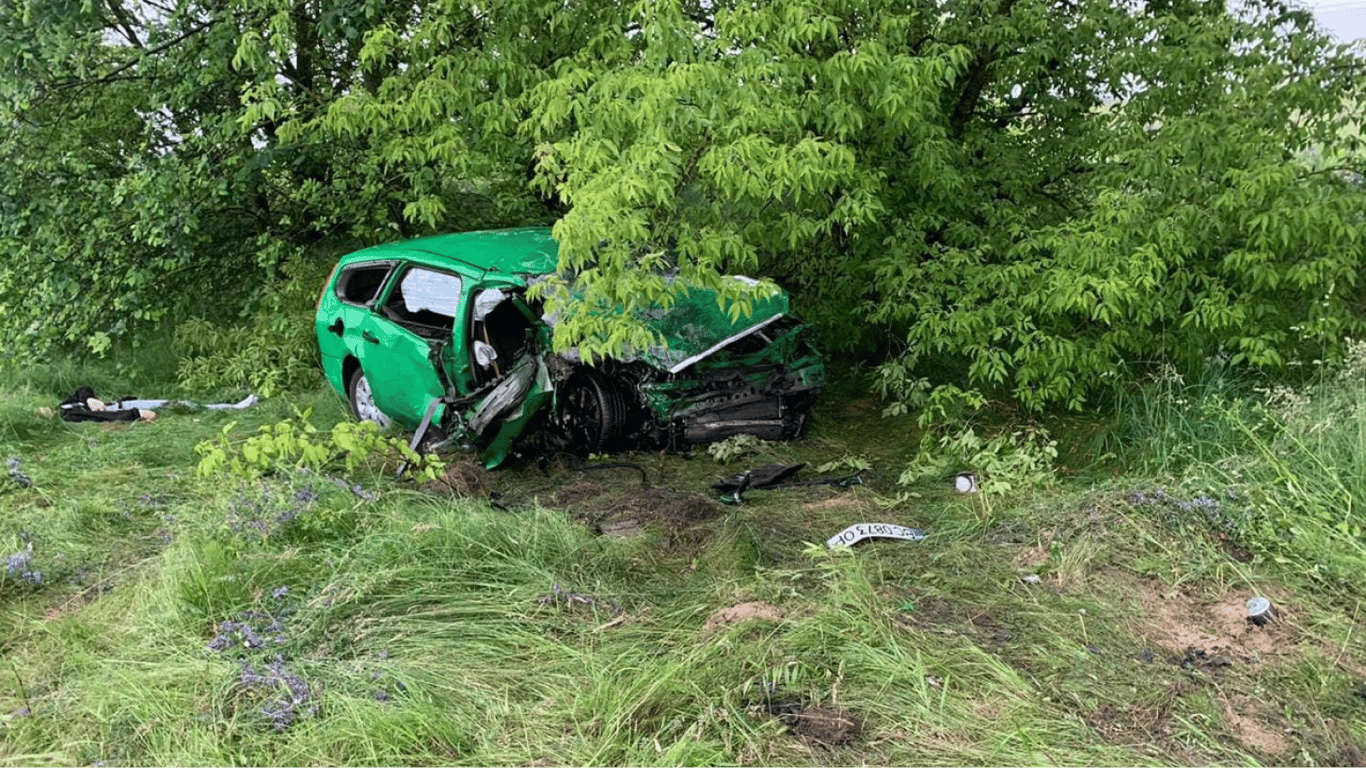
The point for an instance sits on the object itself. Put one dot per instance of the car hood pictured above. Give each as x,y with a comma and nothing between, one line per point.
696,327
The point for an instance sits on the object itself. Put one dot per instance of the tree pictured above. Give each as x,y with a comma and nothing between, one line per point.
166,160
1027,195
1005,198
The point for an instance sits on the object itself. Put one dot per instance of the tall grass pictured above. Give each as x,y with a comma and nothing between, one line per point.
1282,469
291,619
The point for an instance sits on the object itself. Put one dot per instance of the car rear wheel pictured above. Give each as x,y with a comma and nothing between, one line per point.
592,412
363,400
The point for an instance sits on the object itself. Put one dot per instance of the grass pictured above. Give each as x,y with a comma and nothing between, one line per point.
291,619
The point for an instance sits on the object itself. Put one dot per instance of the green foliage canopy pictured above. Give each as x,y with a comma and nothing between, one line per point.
1028,196
1020,197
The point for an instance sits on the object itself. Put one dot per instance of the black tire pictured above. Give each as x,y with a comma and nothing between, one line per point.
362,400
592,412
798,417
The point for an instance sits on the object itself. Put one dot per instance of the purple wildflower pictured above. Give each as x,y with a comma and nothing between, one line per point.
15,473
20,564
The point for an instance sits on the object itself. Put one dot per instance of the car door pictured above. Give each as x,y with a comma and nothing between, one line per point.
405,338
342,310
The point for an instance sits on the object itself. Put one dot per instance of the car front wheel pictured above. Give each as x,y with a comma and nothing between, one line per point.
363,400
592,412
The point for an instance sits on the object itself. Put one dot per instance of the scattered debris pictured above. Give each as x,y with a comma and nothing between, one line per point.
764,477
20,565
278,692
270,507
1031,578
1260,611
860,531
289,696
966,482
771,476
1200,658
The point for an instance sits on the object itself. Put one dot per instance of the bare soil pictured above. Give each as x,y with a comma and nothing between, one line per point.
741,612
462,479
680,517
827,727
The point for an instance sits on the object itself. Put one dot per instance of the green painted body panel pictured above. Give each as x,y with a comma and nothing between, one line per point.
525,251
516,422
400,373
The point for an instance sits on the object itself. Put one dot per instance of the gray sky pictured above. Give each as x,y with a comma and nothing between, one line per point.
1344,18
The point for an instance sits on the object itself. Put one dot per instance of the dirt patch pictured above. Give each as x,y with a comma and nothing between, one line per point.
820,726
1031,558
1211,637
679,516
1144,724
1245,716
827,727
952,618
741,612
575,494
1176,621
462,479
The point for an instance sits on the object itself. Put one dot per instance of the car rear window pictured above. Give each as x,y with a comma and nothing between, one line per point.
360,283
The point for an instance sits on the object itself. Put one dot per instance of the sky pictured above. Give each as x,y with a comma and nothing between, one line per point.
1344,18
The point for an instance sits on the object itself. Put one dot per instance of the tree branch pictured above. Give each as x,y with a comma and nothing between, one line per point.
975,81
112,74
125,22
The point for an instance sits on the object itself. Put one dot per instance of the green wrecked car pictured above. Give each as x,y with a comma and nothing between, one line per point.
437,335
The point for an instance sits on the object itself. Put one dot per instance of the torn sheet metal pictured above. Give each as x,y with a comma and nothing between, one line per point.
860,531
722,344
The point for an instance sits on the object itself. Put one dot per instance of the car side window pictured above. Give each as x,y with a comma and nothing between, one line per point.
425,301
360,284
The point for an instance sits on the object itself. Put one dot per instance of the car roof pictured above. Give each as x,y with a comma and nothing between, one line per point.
522,251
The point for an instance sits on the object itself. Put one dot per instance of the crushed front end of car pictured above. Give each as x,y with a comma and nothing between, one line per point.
712,378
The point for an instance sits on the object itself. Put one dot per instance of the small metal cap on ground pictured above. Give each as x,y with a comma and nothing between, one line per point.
1259,610
965,482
